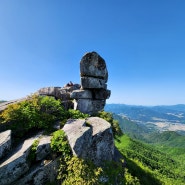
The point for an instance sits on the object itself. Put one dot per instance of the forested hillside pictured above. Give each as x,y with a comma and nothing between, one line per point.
149,165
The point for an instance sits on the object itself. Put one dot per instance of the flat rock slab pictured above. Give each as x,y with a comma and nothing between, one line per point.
93,83
89,106
81,94
17,164
5,143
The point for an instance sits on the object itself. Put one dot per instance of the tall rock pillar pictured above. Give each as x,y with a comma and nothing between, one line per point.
92,96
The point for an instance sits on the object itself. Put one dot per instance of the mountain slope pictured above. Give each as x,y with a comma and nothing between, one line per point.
149,165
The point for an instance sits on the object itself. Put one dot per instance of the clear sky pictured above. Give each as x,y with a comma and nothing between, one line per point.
142,42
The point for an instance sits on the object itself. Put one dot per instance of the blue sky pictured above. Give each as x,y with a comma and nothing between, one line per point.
142,42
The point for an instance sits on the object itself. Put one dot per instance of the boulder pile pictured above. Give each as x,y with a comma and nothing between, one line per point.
92,96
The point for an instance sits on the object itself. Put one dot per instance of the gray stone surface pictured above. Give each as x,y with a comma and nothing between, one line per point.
93,65
5,143
89,106
101,94
49,91
17,164
102,147
41,175
43,149
91,139
93,83
79,136
81,94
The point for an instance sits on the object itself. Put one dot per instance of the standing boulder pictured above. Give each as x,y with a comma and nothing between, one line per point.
94,76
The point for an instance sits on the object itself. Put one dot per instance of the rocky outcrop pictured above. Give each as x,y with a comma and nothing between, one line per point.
62,93
5,143
41,175
94,75
17,164
91,139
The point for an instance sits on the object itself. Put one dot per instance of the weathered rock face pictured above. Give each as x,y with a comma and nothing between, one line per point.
94,76
79,136
43,148
102,147
41,175
5,143
17,164
93,65
91,139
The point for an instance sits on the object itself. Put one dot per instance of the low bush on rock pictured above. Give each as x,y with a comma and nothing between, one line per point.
114,123
37,112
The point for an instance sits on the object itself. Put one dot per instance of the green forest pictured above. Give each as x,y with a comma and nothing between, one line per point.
150,165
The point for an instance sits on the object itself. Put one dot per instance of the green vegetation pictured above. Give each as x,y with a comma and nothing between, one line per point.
32,154
149,165
143,163
169,142
37,112
74,170
114,123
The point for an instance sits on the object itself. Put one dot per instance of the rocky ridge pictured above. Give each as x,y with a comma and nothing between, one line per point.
90,138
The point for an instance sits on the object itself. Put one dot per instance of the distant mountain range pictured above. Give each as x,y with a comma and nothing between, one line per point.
161,126
158,118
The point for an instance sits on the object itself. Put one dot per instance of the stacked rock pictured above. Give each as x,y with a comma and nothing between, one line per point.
92,96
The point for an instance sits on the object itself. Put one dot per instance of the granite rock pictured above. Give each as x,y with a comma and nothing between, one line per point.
5,143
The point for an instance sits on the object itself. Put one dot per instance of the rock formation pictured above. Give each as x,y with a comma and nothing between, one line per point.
89,97
16,168
91,139
16,164
92,96
62,93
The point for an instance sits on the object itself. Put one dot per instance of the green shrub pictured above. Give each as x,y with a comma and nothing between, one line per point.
37,112
80,172
32,154
60,145
114,123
